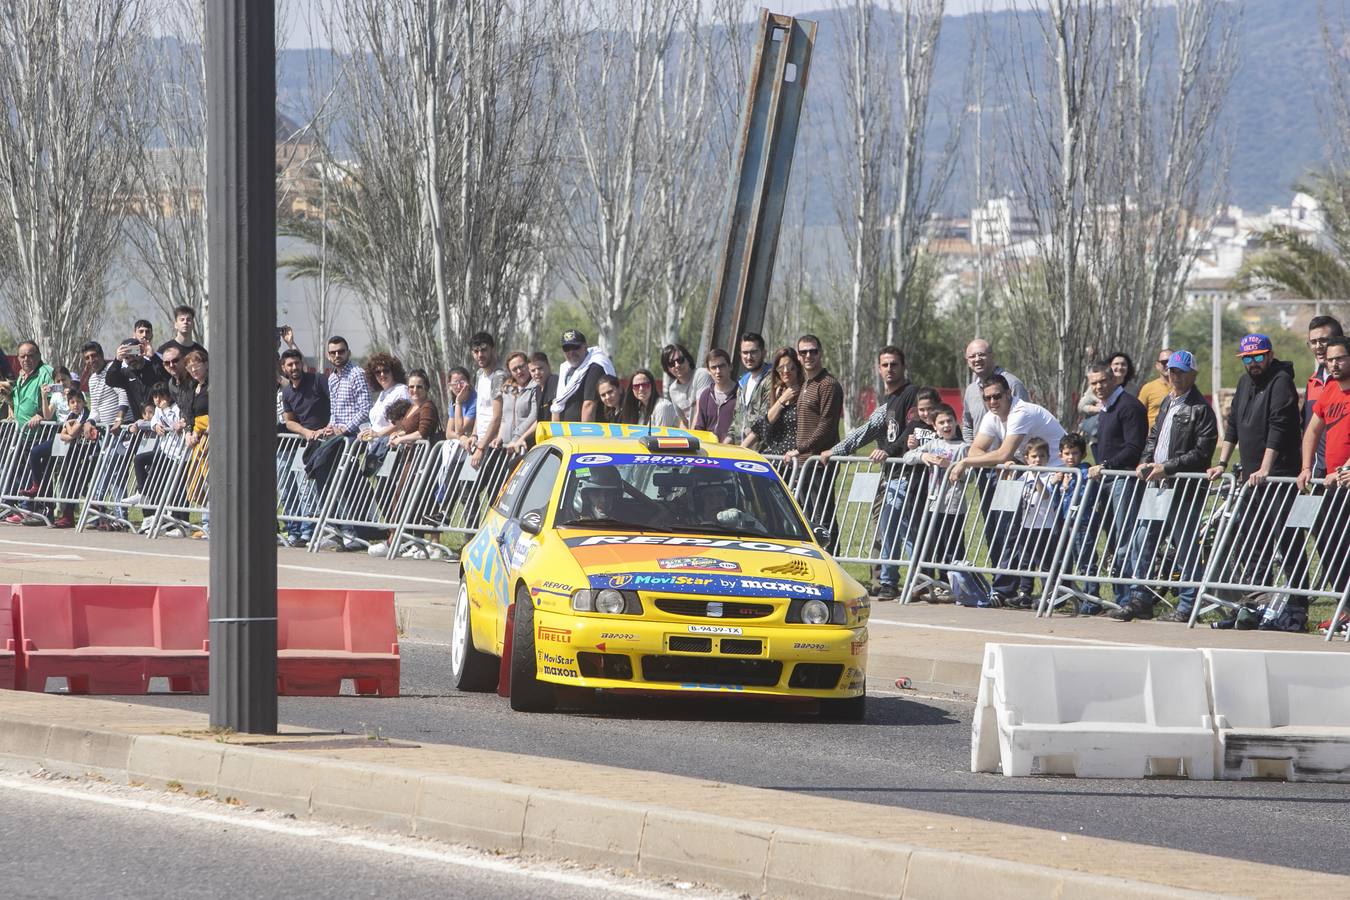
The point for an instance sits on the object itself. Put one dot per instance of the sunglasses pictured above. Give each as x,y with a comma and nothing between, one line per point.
678,360
1253,358
1162,362
641,384
809,351
382,370
990,398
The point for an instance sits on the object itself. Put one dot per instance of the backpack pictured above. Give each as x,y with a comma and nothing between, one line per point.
969,589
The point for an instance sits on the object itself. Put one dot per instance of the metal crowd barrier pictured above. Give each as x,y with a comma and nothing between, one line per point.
371,491
451,495
1281,544
1129,533
1009,524
872,510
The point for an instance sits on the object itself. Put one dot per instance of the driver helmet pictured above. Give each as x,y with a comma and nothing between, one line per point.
602,479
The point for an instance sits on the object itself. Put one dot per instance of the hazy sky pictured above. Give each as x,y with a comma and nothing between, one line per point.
303,30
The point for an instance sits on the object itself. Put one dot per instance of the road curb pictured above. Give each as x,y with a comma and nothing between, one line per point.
748,856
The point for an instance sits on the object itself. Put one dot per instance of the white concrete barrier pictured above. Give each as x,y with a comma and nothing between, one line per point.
1094,712
1281,713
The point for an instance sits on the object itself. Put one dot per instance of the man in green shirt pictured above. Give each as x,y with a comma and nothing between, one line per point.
34,376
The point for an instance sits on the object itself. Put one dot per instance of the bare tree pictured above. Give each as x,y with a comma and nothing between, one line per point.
435,213
1165,163
1054,143
884,198
610,62
65,141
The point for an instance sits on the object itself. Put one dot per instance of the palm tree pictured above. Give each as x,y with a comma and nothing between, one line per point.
1303,265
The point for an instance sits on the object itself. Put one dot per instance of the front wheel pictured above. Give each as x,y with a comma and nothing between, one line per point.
852,709
528,693
470,668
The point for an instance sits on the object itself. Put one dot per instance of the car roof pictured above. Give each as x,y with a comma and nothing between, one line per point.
589,437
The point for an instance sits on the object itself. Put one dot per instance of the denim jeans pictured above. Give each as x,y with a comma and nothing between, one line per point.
894,526
1180,524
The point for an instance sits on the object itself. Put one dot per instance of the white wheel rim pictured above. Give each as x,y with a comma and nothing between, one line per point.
459,641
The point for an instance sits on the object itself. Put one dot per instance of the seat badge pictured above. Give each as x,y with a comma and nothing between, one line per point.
715,609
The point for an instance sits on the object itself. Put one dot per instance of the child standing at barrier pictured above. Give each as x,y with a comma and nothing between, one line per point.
1037,529
158,450
1075,490
945,540
70,438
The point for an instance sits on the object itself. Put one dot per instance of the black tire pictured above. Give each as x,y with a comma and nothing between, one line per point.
528,693
470,668
853,709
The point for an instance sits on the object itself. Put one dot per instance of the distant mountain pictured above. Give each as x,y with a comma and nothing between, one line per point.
1272,115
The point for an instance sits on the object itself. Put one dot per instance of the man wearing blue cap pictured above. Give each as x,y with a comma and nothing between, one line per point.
1181,440
1263,423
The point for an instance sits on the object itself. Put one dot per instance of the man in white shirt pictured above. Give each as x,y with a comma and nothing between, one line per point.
1003,432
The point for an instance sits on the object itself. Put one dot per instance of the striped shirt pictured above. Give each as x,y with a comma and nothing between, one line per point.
104,401
818,413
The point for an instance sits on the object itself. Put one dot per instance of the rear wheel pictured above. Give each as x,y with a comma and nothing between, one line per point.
470,668
852,709
528,693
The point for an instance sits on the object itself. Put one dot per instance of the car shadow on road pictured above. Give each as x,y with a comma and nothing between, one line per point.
881,711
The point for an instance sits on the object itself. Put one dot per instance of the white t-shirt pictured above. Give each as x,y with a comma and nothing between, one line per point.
1028,420
379,410
685,396
489,388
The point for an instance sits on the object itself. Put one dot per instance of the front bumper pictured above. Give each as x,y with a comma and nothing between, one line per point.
621,652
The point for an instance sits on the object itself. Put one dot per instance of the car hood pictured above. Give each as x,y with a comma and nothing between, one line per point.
691,564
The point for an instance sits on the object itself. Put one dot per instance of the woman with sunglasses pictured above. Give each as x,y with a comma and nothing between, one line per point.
684,383
643,405
388,384
520,405
775,432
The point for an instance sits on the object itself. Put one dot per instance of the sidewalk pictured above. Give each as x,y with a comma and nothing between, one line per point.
746,839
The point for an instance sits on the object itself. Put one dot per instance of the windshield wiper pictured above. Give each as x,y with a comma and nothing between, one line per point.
607,522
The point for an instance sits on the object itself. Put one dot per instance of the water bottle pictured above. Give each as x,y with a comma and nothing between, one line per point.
1274,609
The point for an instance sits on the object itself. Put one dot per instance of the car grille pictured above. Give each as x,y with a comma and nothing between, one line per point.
685,644
742,646
729,609
712,670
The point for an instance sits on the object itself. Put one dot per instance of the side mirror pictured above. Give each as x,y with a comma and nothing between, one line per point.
822,535
532,522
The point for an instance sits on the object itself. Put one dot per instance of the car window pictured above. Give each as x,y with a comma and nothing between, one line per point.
516,485
540,487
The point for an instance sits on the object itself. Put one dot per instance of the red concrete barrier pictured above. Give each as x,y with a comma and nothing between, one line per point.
326,636
8,648
112,639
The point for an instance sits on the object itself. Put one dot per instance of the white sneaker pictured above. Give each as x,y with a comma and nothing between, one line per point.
379,548
331,543
414,552
132,500
146,525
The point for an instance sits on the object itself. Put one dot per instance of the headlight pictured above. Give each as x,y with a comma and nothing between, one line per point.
610,602
607,601
815,612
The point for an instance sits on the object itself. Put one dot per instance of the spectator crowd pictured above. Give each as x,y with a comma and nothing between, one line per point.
784,403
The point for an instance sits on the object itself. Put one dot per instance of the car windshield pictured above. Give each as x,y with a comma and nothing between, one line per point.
650,492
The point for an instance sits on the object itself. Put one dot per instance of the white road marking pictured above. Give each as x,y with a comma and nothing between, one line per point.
1051,638
320,570
331,835
43,556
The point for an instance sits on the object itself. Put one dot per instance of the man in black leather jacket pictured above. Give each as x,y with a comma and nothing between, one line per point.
1182,440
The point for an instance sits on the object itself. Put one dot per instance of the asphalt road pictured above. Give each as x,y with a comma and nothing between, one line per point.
911,752
66,839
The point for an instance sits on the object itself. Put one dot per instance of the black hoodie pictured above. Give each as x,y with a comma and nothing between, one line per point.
1265,415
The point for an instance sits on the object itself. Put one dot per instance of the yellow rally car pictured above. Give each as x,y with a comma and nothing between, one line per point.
627,558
